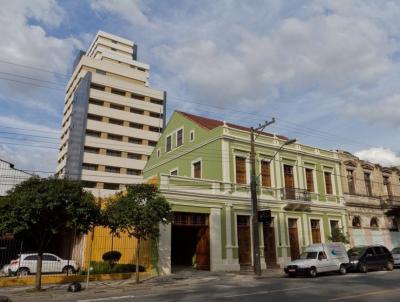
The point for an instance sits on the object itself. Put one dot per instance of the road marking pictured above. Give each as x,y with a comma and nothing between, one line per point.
366,294
268,291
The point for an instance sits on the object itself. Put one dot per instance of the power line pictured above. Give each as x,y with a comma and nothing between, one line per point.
30,78
34,67
32,84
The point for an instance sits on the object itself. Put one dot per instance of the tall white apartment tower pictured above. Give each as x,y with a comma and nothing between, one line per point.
112,118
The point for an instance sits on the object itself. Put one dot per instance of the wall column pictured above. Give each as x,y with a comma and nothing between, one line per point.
230,262
164,249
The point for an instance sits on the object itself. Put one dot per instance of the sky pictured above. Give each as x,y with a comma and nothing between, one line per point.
328,71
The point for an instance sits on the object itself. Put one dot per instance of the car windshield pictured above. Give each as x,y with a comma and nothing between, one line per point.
309,255
356,251
396,250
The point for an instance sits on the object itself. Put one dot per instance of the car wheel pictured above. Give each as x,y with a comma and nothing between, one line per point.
363,268
313,272
23,271
389,266
343,270
68,270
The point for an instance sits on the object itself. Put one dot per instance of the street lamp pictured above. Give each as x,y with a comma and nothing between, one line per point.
254,201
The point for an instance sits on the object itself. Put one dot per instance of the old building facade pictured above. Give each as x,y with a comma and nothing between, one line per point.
202,167
372,197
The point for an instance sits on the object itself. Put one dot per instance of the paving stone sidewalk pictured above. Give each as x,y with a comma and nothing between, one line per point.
183,278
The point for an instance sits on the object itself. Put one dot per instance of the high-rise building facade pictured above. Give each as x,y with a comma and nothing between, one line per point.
112,118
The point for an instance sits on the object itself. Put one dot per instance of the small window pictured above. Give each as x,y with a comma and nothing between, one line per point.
93,133
374,223
117,91
156,115
197,169
328,183
91,167
191,135
96,102
155,129
111,169
240,170
134,172
116,106
174,172
114,153
310,180
179,137
97,87
158,153
116,122
94,117
137,96
89,184
110,186
136,125
152,143
265,174
134,156
92,150
114,137
136,111
137,141
356,222
168,144
367,180
155,101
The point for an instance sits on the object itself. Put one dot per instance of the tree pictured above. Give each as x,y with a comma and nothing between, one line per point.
338,236
138,211
41,208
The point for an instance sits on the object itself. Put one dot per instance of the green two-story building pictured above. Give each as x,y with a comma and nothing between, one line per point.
202,166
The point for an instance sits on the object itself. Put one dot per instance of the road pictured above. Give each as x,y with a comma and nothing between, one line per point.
374,286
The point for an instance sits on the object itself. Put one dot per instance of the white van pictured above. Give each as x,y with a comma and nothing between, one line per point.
320,258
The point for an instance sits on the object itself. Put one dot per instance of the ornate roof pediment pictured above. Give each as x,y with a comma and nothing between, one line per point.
387,170
367,166
350,163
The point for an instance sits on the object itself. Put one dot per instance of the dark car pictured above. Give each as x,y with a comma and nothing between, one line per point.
364,258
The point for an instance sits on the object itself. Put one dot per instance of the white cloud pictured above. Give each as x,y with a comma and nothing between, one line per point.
385,111
130,10
380,155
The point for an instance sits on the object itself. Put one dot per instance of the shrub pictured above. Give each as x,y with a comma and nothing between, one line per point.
112,257
106,268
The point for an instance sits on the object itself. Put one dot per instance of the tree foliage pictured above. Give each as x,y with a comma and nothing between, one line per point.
338,236
41,208
138,211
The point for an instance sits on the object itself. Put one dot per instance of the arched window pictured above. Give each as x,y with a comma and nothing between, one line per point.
356,222
394,225
374,222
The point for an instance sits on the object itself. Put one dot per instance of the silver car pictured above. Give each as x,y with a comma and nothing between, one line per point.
396,256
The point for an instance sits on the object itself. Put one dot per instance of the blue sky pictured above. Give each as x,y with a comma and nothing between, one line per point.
328,71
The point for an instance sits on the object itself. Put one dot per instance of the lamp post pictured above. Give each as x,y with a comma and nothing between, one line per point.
253,191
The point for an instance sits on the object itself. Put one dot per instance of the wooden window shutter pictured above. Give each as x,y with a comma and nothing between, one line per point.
265,174
197,169
328,183
310,180
240,170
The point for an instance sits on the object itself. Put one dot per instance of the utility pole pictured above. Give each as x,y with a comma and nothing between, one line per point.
254,202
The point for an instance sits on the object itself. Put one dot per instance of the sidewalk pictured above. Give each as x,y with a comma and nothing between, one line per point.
179,279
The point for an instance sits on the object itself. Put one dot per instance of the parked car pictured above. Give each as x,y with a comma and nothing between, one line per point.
320,258
364,258
396,256
25,264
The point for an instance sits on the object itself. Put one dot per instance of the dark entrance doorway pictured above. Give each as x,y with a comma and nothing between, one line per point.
244,240
190,242
294,239
269,244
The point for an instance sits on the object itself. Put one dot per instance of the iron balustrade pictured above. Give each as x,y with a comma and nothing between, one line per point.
295,194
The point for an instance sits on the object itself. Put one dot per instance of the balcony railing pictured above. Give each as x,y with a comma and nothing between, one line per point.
295,194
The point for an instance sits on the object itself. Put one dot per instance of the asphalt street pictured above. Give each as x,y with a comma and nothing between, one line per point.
373,286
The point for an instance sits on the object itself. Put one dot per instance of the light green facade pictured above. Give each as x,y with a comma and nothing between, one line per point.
218,195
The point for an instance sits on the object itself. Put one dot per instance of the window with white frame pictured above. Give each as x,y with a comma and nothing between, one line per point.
191,135
179,137
197,169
